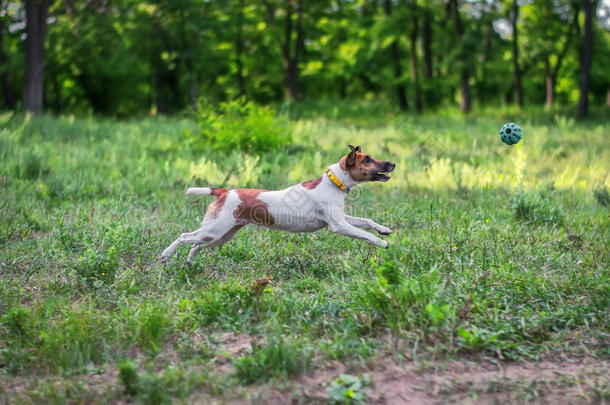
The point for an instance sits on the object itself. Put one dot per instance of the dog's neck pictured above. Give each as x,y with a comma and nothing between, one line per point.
343,176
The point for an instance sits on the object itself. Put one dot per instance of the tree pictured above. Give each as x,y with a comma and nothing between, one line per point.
292,50
551,72
33,88
465,102
413,55
588,7
239,46
7,88
514,16
550,27
427,43
395,56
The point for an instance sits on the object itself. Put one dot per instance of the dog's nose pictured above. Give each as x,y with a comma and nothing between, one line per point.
389,166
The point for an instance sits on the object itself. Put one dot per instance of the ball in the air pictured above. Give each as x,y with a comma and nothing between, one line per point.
510,133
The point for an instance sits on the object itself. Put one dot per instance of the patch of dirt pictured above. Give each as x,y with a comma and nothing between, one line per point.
578,381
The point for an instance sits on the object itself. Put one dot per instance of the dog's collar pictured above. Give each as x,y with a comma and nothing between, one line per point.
337,182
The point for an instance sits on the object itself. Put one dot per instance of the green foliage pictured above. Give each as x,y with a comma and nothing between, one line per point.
96,267
348,389
532,207
154,325
151,57
240,125
31,166
128,376
602,196
277,358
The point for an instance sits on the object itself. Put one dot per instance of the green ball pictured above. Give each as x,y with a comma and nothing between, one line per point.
510,133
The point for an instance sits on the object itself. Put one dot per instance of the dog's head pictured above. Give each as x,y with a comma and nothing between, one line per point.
364,167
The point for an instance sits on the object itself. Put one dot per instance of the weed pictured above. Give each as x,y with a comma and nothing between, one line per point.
533,208
128,376
348,389
602,196
278,358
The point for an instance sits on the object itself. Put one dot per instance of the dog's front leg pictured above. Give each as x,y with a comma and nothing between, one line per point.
344,228
367,223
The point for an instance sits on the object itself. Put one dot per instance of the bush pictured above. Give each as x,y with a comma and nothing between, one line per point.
240,125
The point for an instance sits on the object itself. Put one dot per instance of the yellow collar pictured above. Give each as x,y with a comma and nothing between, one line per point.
337,182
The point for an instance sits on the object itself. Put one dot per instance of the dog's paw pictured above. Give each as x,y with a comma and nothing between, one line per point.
384,231
385,244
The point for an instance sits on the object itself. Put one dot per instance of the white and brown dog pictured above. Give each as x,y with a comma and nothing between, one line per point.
305,207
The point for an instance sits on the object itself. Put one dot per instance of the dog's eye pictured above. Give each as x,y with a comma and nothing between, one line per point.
367,159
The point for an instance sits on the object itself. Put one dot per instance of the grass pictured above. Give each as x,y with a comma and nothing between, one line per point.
498,253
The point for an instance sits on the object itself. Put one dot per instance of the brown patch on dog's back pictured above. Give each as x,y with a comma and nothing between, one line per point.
215,208
311,184
251,208
217,192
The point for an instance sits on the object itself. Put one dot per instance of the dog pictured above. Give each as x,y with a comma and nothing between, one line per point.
305,207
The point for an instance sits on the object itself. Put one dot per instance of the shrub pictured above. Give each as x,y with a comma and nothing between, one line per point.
240,125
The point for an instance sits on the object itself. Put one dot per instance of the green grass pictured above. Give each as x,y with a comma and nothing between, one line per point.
498,252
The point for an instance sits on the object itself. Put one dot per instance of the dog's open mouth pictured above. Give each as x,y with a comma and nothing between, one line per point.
379,176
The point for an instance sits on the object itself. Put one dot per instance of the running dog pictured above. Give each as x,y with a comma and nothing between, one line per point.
305,207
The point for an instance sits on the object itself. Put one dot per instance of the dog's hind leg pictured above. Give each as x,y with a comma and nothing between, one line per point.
199,236
214,242
194,252
226,237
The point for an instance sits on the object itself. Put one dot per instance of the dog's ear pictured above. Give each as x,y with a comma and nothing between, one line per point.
358,148
351,157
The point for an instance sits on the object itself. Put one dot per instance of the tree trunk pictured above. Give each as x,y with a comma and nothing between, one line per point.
413,56
239,44
588,7
608,98
299,49
57,94
427,45
395,55
192,86
551,74
465,102
36,16
550,82
516,69
291,53
7,88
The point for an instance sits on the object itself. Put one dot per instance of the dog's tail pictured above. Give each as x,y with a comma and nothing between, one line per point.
205,191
